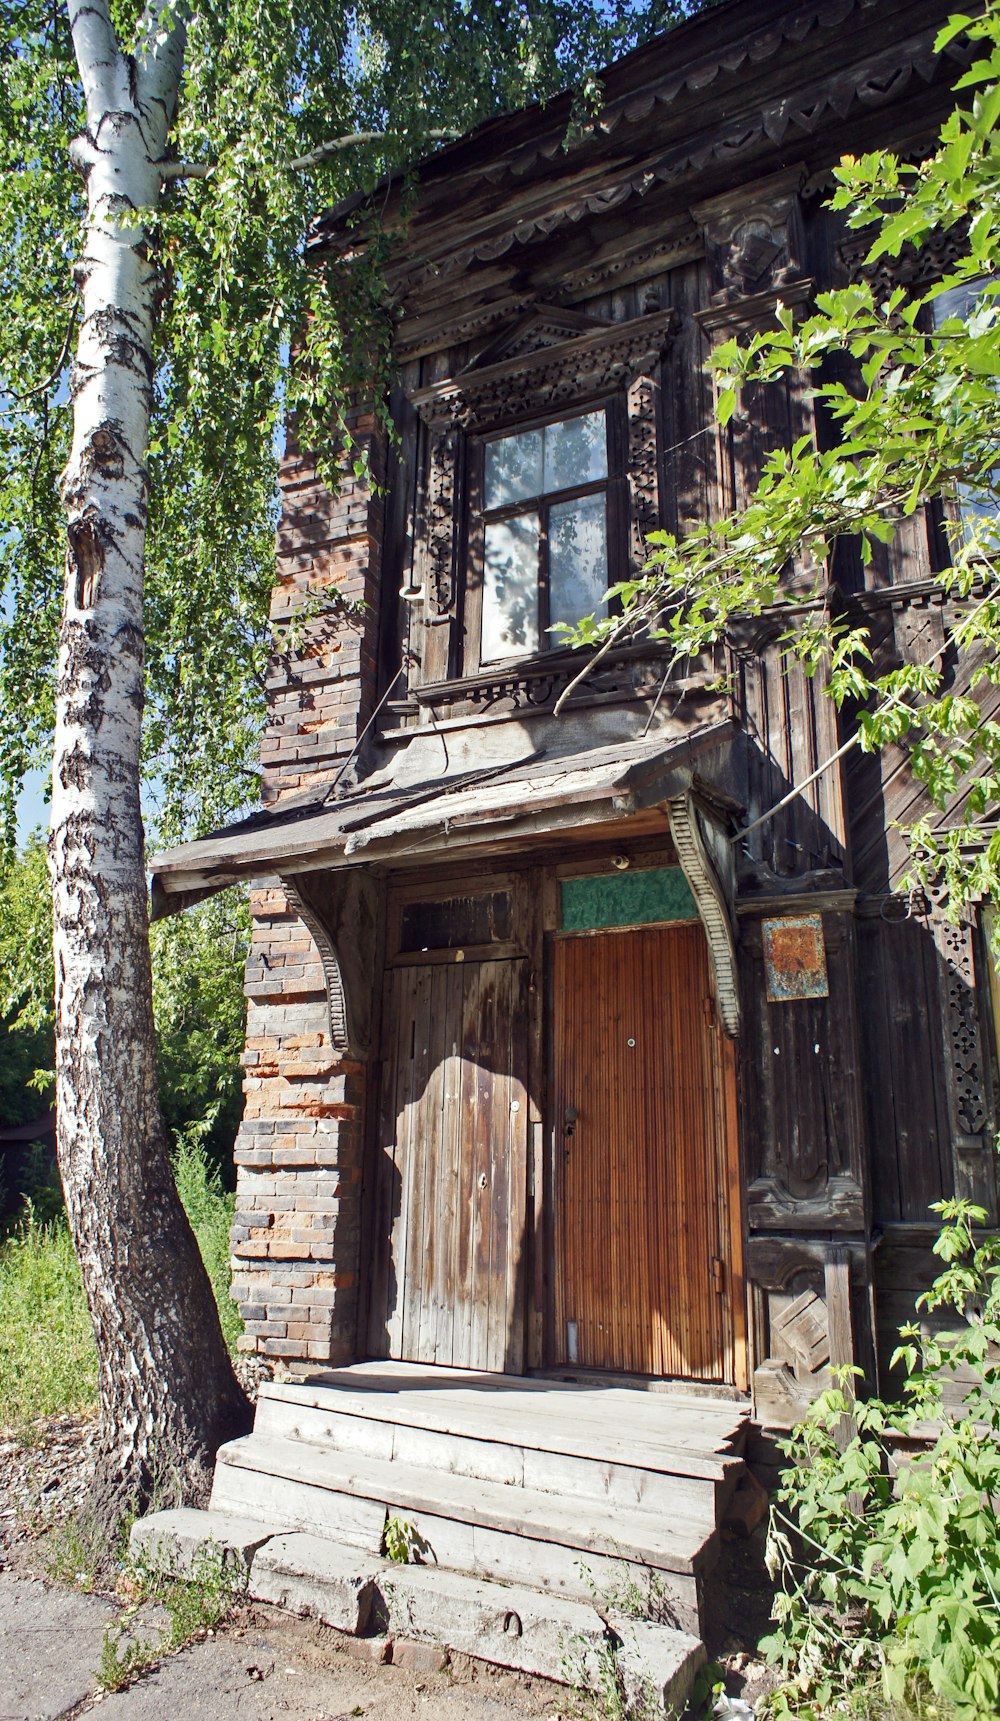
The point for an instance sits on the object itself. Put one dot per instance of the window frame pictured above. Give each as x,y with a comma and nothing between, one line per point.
476,517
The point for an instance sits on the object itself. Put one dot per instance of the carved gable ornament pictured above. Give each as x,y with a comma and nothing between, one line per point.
548,361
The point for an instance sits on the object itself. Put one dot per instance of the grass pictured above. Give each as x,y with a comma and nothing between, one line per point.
48,1366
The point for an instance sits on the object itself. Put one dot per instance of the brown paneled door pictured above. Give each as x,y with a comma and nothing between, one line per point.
451,1179
648,1271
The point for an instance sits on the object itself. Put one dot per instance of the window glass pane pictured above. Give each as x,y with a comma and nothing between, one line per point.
576,451
460,920
513,469
978,504
578,558
510,588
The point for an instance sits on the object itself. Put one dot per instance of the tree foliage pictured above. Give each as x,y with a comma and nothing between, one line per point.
905,386
266,84
198,966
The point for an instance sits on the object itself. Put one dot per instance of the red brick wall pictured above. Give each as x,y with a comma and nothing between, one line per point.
299,1150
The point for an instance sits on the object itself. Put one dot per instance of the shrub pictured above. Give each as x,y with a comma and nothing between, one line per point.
890,1564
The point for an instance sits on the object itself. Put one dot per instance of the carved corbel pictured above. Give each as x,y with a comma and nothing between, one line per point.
753,235
706,858
339,910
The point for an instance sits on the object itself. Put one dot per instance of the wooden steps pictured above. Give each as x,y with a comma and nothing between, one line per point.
551,1484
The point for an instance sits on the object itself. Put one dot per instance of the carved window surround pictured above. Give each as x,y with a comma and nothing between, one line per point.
541,381
553,360
633,674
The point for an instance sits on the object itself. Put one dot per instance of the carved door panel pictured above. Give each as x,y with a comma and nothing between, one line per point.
451,1177
649,1277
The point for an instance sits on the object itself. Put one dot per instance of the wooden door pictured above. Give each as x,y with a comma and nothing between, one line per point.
646,1188
451,1178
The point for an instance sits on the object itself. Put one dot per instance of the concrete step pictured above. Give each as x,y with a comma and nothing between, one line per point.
549,1454
355,1592
467,1524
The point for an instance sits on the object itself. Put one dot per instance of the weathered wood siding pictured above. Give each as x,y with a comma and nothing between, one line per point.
452,1168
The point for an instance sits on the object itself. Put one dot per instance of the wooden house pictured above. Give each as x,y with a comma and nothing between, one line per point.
562,1070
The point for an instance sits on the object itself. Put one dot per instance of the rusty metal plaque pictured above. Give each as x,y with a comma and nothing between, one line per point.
795,958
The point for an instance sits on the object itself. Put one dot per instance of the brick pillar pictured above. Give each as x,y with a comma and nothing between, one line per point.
298,1155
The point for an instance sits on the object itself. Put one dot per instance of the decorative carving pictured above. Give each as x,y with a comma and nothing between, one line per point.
838,1205
753,238
643,473
537,686
340,910
964,1060
545,326
441,519
549,377
706,856
912,268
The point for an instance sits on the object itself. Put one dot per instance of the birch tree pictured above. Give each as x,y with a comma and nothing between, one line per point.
158,169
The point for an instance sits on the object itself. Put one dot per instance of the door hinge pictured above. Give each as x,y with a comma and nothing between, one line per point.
710,1009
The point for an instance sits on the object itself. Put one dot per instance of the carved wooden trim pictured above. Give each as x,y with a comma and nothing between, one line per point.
643,469
965,1064
692,831
839,1205
441,496
549,377
335,997
914,267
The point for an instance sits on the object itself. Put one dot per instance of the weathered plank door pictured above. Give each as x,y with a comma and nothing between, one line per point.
648,1274
451,1178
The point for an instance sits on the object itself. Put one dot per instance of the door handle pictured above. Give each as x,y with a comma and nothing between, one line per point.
570,1116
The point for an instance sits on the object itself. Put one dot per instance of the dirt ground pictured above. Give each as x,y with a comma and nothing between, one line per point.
262,1666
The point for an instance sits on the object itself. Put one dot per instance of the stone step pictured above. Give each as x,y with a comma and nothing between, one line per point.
487,1529
550,1455
359,1593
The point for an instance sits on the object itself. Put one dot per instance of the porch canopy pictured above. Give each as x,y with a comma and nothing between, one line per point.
395,815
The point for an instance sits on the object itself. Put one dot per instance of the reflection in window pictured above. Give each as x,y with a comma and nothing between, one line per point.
546,533
510,587
978,504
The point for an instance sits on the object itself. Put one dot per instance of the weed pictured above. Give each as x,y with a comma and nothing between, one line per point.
606,1686
402,1542
77,1551
639,1592
194,1605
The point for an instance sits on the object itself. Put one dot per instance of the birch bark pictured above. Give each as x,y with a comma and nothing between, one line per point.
168,1393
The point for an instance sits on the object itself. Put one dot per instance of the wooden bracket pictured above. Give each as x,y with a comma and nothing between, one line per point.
693,830
339,911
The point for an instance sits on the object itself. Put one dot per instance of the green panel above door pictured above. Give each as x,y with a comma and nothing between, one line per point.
626,899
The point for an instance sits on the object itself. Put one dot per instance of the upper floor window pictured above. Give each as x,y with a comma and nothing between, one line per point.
542,534
976,504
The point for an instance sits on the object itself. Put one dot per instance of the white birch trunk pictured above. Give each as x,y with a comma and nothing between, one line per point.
168,1394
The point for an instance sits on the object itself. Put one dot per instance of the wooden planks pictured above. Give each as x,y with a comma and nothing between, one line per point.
644,1235
451,1182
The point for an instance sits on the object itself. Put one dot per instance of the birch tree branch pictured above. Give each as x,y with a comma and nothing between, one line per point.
160,63
173,170
101,64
